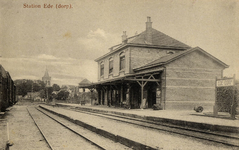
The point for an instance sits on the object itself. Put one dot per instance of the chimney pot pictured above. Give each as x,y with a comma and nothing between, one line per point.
124,37
148,23
148,36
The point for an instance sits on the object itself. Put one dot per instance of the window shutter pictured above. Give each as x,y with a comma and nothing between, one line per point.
127,61
106,68
99,69
116,65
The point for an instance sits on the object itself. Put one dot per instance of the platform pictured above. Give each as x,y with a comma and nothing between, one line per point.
203,120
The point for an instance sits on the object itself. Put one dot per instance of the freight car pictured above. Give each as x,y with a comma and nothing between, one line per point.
7,90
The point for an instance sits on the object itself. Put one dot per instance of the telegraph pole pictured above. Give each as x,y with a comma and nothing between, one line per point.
32,92
47,94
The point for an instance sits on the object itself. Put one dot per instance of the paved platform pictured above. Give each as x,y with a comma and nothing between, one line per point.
204,120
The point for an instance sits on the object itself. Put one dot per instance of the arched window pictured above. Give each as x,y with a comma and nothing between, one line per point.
101,69
111,62
122,61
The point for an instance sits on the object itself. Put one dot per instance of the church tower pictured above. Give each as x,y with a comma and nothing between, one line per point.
46,79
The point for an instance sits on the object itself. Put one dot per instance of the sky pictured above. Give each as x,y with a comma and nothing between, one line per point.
67,41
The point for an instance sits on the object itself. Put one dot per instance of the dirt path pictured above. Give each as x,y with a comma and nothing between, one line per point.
22,131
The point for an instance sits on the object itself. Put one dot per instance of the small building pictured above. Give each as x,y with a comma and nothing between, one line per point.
33,96
72,89
85,83
153,68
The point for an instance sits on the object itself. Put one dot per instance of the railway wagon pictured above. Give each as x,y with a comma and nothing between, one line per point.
10,90
7,90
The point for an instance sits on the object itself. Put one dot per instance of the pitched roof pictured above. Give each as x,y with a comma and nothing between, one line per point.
158,38
169,58
84,83
68,86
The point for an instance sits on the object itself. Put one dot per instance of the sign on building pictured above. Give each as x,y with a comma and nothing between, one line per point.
225,82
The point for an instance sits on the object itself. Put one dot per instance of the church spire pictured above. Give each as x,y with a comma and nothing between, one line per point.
46,73
46,78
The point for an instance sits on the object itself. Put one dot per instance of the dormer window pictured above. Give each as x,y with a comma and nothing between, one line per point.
111,65
122,61
102,69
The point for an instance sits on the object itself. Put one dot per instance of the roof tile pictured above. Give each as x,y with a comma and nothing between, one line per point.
170,57
158,38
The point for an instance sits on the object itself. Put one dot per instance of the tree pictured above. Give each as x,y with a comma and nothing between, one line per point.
62,95
56,87
39,85
21,89
42,93
24,86
48,92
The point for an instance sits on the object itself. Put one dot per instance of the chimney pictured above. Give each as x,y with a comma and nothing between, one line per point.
148,23
148,37
124,38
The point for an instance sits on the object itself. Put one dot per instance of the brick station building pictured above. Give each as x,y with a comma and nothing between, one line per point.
153,68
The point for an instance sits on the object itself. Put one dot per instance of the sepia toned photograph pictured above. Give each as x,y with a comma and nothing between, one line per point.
119,74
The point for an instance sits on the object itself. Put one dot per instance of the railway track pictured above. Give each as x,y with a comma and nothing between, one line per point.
62,134
229,139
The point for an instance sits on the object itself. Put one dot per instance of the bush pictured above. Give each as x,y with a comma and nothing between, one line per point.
224,98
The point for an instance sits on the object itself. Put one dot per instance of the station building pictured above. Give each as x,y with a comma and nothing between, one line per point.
154,68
